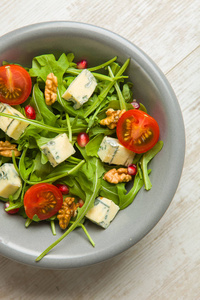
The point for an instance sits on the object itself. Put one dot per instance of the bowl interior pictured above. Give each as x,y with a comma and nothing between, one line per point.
149,87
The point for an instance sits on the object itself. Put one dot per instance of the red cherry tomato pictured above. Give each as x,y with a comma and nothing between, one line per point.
15,84
137,131
43,200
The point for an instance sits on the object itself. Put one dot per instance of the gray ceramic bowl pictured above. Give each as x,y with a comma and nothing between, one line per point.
151,88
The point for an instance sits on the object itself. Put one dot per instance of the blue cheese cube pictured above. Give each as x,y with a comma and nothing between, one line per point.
103,212
13,128
112,152
10,181
58,149
81,89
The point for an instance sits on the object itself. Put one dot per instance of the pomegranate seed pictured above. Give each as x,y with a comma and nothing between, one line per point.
80,202
12,211
82,64
82,139
132,169
30,112
63,188
135,104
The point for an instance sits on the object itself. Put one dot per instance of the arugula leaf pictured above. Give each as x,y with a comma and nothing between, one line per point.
39,169
103,65
104,93
126,92
24,172
45,64
35,123
119,93
126,199
110,191
146,158
93,146
38,103
75,187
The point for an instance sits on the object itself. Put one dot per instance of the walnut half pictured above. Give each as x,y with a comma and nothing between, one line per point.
50,91
67,211
116,176
112,118
6,149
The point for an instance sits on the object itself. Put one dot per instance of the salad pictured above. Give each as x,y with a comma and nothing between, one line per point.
74,144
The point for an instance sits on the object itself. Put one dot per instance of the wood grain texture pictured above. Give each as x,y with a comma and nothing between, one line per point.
166,263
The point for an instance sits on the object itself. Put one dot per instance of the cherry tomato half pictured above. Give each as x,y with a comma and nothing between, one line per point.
43,200
137,131
15,84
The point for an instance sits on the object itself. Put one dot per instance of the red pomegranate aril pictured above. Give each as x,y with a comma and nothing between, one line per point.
81,203
63,188
12,211
82,64
135,104
30,112
82,139
132,169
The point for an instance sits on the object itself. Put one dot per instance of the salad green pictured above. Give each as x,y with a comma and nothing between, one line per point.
83,171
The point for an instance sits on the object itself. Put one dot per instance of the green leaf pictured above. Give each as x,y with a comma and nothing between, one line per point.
104,93
93,146
110,191
119,93
146,158
36,218
127,199
39,169
38,103
35,123
45,64
126,92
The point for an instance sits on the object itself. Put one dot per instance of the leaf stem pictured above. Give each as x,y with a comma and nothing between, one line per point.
35,123
96,75
28,222
119,93
103,65
69,127
74,71
53,228
146,158
86,232
58,176
104,93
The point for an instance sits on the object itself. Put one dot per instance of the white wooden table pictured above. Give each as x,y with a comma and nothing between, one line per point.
166,263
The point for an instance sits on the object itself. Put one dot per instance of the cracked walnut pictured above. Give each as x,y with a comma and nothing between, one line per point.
112,118
50,92
67,211
6,149
115,176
